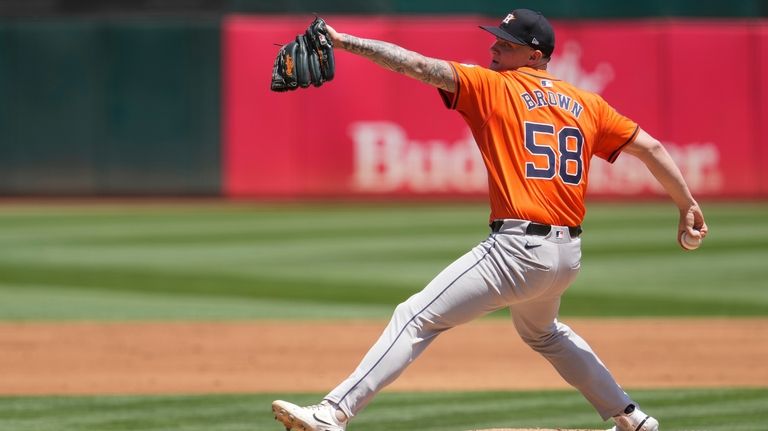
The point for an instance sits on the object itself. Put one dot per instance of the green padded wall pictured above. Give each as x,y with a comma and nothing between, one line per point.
108,106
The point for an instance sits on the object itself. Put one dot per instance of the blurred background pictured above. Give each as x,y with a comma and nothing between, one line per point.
169,97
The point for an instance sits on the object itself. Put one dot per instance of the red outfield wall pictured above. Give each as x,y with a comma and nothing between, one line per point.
699,86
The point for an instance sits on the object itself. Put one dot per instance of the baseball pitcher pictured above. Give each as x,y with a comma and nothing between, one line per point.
537,135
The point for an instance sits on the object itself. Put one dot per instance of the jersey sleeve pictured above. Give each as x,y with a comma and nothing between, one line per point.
474,88
615,132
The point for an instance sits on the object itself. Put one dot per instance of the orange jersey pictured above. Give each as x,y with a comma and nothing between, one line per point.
537,135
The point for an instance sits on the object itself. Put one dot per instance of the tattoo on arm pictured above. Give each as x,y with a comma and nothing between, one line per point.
432,71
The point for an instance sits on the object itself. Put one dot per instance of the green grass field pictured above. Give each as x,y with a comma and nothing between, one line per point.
213,261
713,410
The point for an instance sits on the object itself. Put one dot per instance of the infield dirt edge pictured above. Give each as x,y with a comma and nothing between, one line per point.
98,358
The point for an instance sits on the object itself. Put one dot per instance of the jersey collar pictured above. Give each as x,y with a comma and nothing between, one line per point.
537,73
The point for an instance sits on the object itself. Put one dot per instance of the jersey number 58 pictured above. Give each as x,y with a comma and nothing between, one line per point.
570,144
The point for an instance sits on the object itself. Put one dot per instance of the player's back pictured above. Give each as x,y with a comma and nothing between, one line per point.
537,135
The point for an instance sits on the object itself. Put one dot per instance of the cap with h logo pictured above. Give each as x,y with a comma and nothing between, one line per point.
526,27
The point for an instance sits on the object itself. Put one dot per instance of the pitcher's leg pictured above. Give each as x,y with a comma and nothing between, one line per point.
460,293
572,357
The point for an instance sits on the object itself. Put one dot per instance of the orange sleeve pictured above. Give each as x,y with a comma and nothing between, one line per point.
474,85
616,132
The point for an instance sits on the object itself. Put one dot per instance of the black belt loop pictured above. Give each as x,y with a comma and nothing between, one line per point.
496,225
575,231
537,229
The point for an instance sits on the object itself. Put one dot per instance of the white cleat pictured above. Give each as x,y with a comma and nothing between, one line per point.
319,417
635,420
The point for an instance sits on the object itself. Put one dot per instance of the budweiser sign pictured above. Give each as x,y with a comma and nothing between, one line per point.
387,160
396,139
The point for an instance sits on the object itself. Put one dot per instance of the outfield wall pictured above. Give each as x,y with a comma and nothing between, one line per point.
696,85
94,106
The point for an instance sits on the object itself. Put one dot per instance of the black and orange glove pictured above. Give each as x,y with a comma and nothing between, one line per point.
306,60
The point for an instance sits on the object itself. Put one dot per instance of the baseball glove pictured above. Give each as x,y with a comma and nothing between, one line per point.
306,60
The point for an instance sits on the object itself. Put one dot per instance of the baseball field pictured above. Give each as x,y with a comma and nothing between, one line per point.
195,315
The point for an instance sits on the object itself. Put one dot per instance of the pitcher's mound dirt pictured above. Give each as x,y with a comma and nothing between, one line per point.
276,356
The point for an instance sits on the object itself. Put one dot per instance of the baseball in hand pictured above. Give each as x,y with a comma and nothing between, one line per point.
688,242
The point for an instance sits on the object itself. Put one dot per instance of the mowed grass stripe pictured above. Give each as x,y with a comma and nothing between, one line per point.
303,251
366,256
228,231
689,409
627,296
37,303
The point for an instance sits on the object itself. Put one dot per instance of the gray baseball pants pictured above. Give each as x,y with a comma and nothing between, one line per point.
528,274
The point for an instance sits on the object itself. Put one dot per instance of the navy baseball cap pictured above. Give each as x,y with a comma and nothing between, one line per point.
526,27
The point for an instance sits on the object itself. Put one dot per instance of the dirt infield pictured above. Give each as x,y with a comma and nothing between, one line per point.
143,358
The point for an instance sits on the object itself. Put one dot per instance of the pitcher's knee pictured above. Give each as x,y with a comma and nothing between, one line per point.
402,314
421,322
542,341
